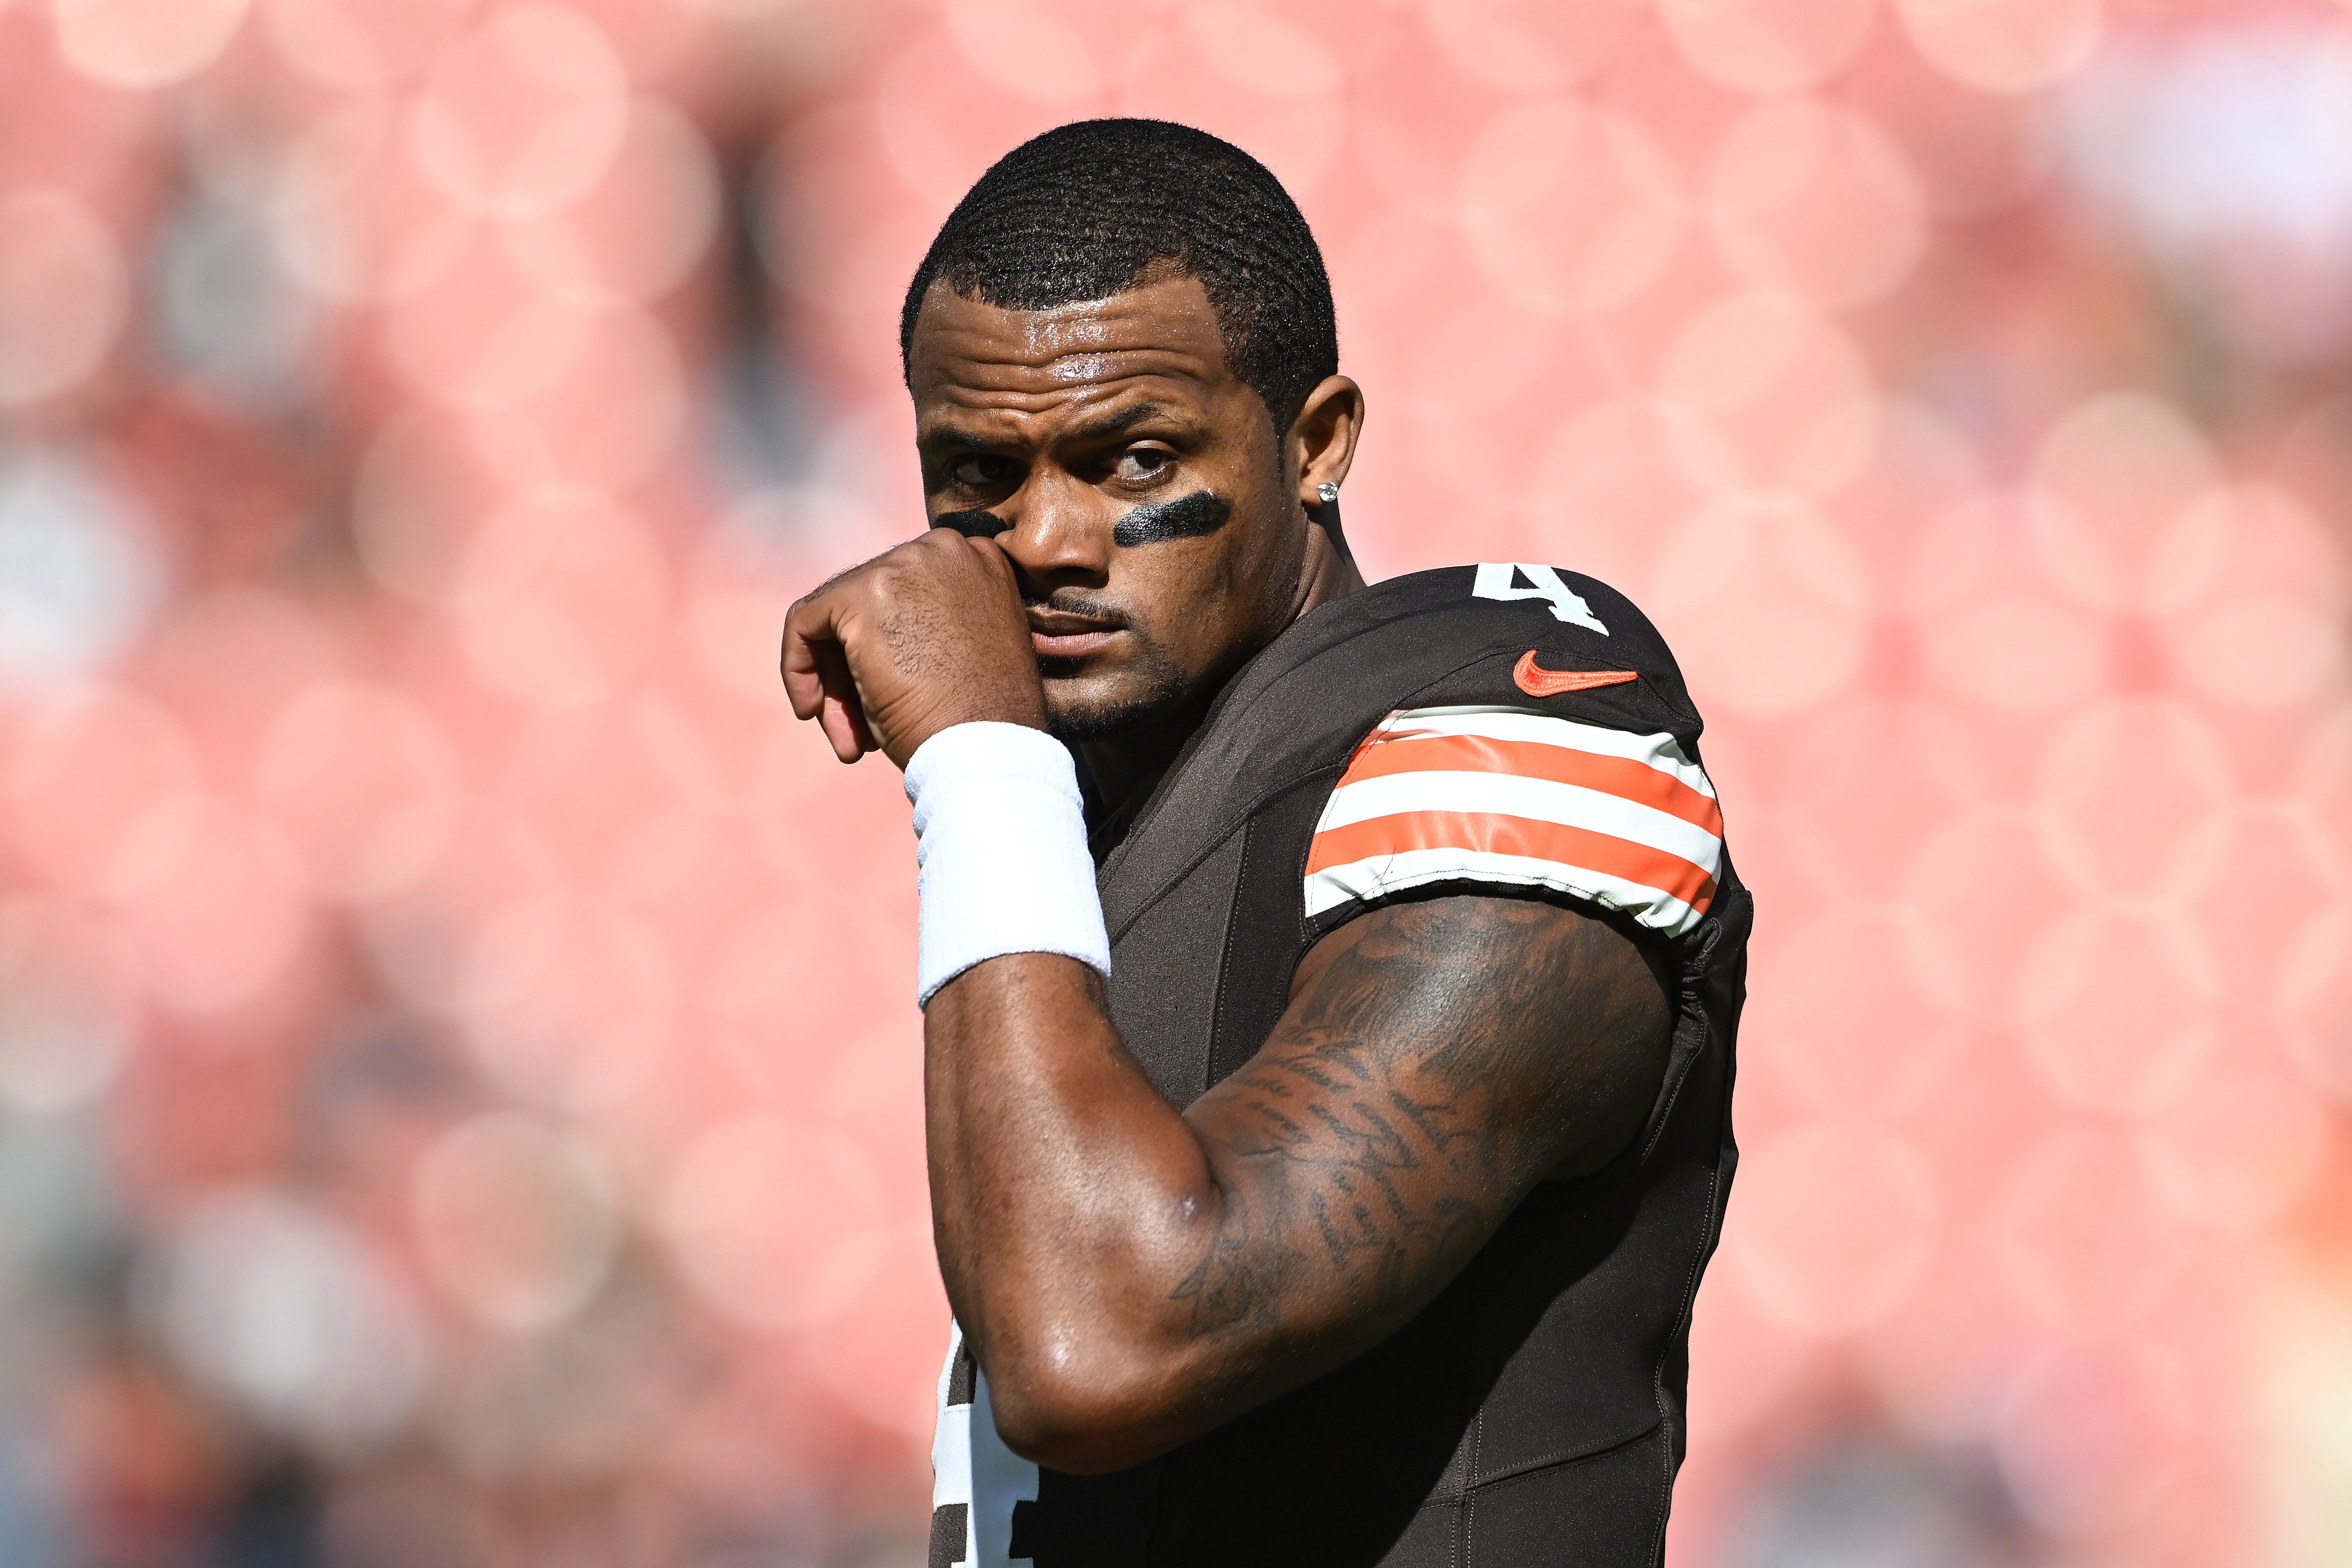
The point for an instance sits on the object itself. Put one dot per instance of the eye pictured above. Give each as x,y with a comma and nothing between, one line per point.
980,470
1144,462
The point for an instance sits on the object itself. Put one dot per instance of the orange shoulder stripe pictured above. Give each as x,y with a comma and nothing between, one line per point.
1621,776
1490,833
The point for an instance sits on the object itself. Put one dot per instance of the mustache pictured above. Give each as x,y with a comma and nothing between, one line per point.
1072,602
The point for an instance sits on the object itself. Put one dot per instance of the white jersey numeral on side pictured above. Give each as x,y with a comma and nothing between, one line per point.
977,1481
1500,580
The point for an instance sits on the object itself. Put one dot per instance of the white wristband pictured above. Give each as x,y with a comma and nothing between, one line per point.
1000,838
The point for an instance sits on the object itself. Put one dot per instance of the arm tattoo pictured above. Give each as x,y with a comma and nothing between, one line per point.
1448,1056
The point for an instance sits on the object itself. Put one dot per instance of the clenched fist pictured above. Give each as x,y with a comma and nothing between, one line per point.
925,636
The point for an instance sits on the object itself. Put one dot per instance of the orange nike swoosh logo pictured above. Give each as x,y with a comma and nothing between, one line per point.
1538,682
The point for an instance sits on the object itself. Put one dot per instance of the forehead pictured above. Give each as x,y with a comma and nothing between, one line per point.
1162,335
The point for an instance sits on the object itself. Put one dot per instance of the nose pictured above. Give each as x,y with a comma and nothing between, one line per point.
1061,533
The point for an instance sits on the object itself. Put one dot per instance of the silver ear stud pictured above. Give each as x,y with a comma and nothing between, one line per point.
1327,492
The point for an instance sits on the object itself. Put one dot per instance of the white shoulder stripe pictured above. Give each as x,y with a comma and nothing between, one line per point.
1383,875
1657,750
1510,795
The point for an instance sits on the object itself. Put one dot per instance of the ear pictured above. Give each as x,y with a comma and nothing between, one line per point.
1322,439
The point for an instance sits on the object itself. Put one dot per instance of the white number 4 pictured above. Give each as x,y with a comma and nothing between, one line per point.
1500,580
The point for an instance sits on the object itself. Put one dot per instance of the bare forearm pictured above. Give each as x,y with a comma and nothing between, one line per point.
1069,1197
1130,1277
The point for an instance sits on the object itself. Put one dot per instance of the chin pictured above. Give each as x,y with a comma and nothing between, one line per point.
1075,723
1079,711
1093,704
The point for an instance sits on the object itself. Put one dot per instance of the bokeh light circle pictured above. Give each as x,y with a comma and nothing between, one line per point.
1766,604
2266,650
2111,473
2005,46
1745,1360
361,45
64,294
570,431
772,1222
2243,540
1249,74
2079,1238
354,218
1836,1222
96,777
570,1004
1981,884
1767,46
2086,1434
143,44
220,909
1845,1023
1026,51
2019,653
870,1364
69,1006
1807,196
364,781
2313,998
560,596
518,1218
1568,209
285,1310
2238,1145
79,571
2119,1009
1530,48
526,115
644,227
1765,394
1608,474
2128,781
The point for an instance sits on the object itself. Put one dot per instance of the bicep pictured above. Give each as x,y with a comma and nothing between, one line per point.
1436,1060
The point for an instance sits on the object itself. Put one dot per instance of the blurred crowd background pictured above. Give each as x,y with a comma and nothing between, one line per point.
459,1073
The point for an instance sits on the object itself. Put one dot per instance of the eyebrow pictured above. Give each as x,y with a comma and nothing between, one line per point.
1134,413
951,437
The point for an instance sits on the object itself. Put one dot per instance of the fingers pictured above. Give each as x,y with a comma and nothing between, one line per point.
996,564
817,682
839,713
806,628
927,634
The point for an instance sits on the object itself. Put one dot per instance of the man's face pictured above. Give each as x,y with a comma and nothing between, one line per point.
1063,423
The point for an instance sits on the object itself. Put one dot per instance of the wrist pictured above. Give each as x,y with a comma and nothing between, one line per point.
1000,847
956,709
961,715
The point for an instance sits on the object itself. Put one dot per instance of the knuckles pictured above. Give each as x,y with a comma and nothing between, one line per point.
938,565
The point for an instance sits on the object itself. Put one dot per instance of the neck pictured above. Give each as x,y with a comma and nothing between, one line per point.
1329,571
1135,761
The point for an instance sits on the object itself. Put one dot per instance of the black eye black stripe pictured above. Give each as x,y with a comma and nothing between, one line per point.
1186,516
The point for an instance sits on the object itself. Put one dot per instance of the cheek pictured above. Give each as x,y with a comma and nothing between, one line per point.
1178,582
1191,596
1198,597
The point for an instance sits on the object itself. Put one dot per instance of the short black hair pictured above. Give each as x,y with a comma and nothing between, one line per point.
1084,211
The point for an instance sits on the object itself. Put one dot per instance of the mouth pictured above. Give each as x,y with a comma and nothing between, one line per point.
1057,634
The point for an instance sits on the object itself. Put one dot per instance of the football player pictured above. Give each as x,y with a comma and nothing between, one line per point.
1328,991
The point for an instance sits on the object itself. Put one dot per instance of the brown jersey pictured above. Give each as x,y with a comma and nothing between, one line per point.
1500,727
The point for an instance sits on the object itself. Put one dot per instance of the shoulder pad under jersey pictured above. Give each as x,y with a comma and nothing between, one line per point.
1495,633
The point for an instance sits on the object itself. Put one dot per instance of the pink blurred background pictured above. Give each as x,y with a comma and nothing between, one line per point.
458,1079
